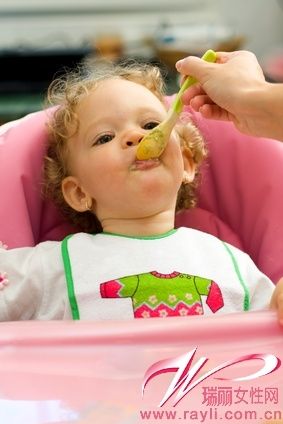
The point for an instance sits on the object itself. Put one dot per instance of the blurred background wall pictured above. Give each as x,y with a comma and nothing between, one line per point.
73,23
40,37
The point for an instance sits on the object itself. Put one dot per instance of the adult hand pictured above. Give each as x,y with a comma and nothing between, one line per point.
276,302
234,89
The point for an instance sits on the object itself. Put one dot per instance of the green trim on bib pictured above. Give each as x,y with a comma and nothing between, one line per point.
246,305
153,237
69,278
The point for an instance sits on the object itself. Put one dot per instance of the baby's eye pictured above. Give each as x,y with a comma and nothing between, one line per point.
150,125
103,139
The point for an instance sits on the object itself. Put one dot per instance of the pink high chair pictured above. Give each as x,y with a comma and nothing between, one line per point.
240,196
93,372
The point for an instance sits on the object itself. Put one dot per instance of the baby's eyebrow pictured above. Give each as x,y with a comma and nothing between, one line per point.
92,128
148,109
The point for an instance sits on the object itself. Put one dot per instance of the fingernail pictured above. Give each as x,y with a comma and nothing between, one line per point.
179,64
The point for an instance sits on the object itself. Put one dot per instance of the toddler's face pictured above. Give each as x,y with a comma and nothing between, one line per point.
113,119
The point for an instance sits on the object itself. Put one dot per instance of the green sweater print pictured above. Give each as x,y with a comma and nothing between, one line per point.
161,295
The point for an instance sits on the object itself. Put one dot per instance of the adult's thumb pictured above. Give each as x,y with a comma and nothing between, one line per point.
193,66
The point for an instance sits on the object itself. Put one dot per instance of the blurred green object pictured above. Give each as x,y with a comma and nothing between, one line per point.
14,106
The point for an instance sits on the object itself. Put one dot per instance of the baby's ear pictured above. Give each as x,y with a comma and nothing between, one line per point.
76,197
192,145
186,134
189,165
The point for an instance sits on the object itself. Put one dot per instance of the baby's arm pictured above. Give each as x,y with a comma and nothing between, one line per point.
277,300
23,289
26,290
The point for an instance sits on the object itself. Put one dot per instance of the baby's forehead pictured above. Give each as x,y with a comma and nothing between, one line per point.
128,86
120,91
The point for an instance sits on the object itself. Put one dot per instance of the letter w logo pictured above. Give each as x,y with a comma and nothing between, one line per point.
185,372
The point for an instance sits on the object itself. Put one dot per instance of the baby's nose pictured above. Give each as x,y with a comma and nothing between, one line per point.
133,139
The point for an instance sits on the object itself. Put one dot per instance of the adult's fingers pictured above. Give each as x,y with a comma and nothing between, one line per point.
277,300
198,101
193,91
212,111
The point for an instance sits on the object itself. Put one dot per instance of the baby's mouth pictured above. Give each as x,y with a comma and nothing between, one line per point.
142,165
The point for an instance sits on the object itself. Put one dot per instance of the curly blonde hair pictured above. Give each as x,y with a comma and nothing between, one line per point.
66,93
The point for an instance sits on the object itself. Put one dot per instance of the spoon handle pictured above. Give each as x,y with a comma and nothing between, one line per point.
177,106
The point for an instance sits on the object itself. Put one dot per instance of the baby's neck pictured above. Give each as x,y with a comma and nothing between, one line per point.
149,226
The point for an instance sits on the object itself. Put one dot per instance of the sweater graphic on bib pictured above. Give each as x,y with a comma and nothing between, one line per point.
160,295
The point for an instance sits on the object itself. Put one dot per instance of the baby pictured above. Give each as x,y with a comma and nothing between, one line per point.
129,261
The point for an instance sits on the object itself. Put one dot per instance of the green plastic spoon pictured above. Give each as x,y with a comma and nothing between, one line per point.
153,144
